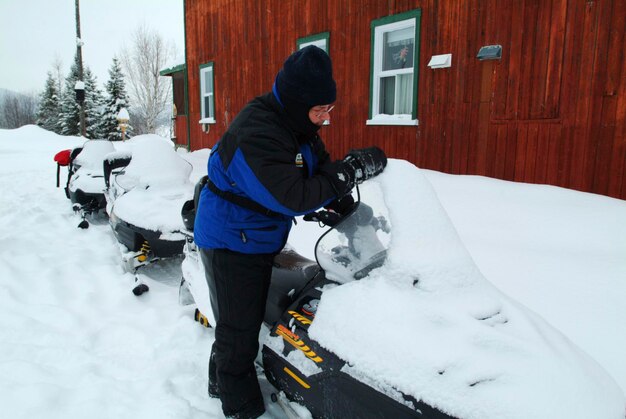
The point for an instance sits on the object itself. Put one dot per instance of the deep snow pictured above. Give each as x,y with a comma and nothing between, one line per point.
74,342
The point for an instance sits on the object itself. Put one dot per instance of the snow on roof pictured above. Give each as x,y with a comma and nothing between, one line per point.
173,66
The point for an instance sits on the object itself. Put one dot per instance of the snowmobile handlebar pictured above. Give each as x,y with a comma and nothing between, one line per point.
325,217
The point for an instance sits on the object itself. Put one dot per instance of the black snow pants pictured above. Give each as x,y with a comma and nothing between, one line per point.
238,285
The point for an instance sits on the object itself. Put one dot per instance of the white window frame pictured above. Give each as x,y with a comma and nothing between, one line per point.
320,43
206,119
377,118
320,40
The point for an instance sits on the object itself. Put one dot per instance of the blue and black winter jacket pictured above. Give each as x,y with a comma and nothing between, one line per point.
263,158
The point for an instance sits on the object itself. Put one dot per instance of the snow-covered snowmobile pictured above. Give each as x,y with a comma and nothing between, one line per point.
394,320
144,200
85,177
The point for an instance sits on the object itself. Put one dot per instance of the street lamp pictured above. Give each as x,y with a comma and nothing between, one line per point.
122,120
79,88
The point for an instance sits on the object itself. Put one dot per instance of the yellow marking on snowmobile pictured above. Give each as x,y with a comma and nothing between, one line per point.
145,249
297,343
295,377
202,319
300,318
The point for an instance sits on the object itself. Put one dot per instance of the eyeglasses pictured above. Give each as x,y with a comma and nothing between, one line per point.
320,112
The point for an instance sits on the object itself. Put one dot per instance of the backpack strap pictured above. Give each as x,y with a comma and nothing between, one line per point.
242,201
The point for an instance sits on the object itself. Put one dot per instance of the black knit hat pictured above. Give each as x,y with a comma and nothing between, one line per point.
307,78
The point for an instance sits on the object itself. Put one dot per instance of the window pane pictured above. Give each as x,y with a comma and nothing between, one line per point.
404,93
320,43
387,95
207,107
211,110
208,81
398,48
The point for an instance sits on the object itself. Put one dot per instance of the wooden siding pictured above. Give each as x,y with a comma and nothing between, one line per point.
180,130
552,110
180,98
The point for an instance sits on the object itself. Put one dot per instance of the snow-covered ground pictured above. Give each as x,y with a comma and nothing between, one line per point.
75,342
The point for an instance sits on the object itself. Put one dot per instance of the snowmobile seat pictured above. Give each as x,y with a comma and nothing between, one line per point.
290,274
62,158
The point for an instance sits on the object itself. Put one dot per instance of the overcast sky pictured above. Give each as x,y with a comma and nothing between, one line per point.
34,32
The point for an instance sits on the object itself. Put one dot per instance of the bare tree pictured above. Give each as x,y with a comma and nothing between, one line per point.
150,93
17,110
57,72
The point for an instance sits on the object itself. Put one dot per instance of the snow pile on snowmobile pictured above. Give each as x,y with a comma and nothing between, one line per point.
427,327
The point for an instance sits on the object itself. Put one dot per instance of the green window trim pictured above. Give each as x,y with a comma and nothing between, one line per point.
387,20
325,36
207,119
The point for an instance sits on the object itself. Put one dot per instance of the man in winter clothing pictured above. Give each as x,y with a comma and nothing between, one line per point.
269,166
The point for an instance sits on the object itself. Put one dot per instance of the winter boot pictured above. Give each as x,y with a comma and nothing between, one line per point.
250,410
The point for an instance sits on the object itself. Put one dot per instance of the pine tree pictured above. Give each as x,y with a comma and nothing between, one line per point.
116,99
49,106
70,109
94,104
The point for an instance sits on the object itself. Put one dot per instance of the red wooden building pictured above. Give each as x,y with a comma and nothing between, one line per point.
545,103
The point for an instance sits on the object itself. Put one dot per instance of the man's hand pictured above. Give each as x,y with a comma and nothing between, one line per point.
366,162
341,205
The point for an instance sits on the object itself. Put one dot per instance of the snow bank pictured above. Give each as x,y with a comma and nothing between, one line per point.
14,140
430,325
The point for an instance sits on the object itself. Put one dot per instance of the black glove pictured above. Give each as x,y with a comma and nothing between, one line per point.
366,162
325,217
341,205
340,175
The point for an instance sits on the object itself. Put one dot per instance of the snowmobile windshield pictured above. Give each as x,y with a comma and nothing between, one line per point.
359,243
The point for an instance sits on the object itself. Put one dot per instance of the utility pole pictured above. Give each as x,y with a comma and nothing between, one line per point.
79,53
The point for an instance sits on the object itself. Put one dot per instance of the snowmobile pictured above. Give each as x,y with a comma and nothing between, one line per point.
85,178
393,319
355,244
143,200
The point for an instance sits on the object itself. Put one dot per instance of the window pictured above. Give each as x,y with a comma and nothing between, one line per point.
320,40
207,97
394,69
